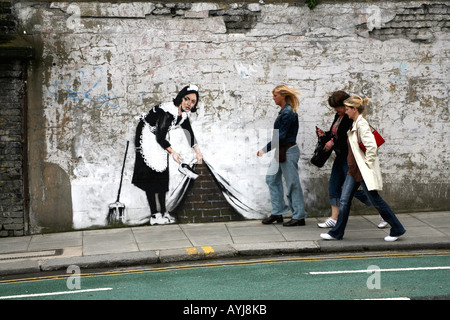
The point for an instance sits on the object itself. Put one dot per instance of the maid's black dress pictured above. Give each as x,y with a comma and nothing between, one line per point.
151,168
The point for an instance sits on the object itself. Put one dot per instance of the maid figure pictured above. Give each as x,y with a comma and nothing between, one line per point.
151,169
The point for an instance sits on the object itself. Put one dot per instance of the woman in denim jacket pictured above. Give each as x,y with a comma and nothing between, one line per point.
285,162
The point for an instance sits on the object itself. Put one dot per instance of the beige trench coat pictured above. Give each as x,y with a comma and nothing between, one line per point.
368,163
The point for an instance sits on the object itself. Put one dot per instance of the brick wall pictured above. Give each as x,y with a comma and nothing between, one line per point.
8,23
14,54
204,201
11,156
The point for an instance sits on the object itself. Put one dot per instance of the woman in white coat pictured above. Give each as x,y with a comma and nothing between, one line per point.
364,169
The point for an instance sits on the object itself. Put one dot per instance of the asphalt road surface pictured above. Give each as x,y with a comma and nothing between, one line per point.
420,275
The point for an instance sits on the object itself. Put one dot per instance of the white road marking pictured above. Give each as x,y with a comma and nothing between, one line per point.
381,270
398,298
53,293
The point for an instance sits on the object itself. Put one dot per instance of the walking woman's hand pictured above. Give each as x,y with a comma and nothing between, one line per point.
328,146
320,132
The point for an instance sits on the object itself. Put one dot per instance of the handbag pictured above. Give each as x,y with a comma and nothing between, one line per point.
320,156
378,139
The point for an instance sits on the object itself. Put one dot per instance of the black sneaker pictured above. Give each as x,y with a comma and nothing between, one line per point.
185,169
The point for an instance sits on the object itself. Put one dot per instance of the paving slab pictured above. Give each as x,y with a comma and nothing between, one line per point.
14,244
56,241
255,232
160,237
203,234
109,241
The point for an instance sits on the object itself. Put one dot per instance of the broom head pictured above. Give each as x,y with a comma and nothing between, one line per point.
116,212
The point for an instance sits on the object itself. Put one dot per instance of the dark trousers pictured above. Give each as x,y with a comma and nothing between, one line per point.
151,197
348,191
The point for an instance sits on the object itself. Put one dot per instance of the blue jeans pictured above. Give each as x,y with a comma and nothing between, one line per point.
289,170
348,191
337,178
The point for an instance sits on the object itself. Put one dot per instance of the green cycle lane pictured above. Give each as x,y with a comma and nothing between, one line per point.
408,275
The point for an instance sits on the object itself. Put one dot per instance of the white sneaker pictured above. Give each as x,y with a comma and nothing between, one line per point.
157,218
390,239
329,223
326,236
169,218
382,224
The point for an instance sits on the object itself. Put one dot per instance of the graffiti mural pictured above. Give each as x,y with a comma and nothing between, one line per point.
151,170
149,177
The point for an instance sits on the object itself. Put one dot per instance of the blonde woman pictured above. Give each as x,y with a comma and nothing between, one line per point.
364,169
285,162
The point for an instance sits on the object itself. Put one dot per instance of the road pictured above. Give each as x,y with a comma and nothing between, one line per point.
421,275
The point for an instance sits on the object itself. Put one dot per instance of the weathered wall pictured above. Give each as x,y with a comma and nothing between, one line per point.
100,65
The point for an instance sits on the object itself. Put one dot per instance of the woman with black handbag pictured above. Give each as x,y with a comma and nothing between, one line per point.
364,170
337,141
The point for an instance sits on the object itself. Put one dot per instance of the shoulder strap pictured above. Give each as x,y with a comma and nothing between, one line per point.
370,126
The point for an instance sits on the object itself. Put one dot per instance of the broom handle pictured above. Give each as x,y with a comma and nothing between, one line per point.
123,167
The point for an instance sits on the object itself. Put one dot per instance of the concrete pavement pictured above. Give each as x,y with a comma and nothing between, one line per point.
182,242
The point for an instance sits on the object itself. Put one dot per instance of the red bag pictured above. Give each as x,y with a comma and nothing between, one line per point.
378,139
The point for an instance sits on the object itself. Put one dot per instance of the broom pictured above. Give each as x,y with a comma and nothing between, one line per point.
117,209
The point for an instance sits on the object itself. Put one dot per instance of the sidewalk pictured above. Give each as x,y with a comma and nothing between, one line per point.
183,242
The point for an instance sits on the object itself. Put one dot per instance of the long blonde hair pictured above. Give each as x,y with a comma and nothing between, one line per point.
290,95
357,102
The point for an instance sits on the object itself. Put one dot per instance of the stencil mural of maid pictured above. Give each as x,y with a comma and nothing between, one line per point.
151,169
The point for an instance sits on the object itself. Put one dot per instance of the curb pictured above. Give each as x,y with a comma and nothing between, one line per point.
329,246
271,248
101,261
196,253
10,268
